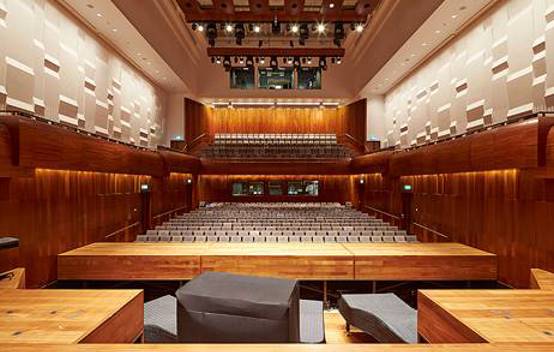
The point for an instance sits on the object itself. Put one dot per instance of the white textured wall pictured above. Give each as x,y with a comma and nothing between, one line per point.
500,68
52,66
376,118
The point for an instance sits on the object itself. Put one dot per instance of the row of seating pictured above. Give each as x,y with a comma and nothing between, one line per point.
277,228
276,152
201,232
275,222
278,239
274,138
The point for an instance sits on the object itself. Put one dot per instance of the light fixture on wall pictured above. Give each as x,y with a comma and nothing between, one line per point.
144,187
189,181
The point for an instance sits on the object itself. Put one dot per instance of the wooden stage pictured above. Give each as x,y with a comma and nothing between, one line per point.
327,261
461,316
511,347
70,316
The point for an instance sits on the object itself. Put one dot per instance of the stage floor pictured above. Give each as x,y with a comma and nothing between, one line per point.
302,261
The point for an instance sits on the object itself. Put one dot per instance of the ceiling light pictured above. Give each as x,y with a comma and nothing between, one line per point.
200,28
294,28
257,29
262,60
320,28
437,31
241,60
228,28
218,60
309,61
331,5
454,16
339,60
114,30
423,44
99,14
359,28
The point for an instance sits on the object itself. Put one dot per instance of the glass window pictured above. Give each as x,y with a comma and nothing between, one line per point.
281,78
309,78
240,189
275,188
242,78
311,188
256,188
295,188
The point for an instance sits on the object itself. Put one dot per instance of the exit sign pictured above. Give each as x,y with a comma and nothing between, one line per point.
407,187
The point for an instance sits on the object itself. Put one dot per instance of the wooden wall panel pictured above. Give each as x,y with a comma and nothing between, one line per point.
506,212
217,188
55,211
350,120
197,116
276,167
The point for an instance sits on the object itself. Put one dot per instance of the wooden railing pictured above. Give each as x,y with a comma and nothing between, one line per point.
427,234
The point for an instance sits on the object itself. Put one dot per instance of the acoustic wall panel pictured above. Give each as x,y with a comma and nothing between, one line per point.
498,69
51,65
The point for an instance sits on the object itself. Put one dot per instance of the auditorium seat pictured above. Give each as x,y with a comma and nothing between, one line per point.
276,222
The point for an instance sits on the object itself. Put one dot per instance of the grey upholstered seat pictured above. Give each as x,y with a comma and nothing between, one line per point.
384,316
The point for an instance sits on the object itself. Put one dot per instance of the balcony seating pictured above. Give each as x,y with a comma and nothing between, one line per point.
276,223
263,146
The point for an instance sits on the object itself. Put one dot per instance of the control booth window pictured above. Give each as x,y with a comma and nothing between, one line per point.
242,78
281,78
275,188
248,189
240,188
303,188
309,78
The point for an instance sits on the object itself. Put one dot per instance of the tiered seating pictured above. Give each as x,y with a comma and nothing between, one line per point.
262,145
276,222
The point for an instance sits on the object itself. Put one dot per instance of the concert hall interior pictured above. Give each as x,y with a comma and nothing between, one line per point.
277,175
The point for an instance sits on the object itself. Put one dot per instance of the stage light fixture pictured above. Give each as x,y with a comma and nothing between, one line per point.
218,60
257,28
339,60
304,33
194,26
275,27
249,61
228,28
359,27
262,60
227,63
323,63
289,61
294,28
339,34
239,33
211,33
273,62
200,27
241,60
309,60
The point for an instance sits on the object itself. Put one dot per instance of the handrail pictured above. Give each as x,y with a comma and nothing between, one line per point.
192,144
431,230
382,212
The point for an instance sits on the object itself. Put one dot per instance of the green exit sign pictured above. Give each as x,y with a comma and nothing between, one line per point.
407,187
